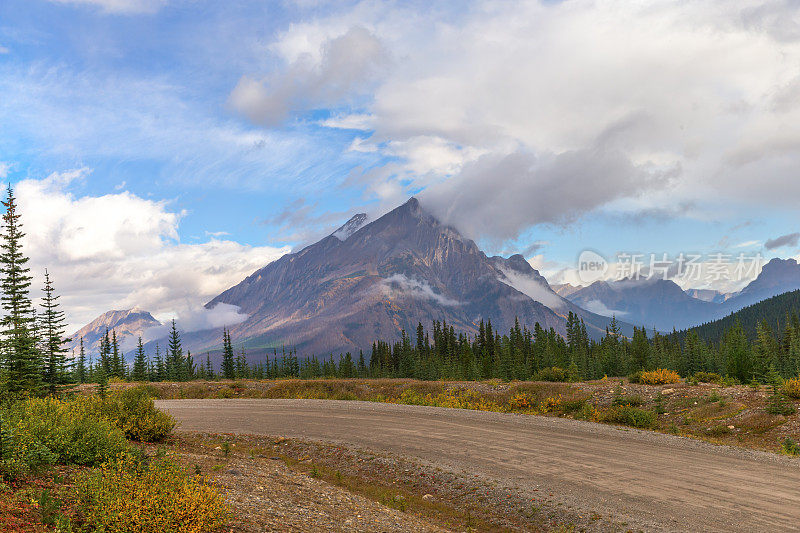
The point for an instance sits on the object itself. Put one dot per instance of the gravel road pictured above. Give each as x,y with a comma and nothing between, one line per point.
644,480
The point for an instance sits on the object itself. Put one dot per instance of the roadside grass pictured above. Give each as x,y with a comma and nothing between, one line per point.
703,407
396,497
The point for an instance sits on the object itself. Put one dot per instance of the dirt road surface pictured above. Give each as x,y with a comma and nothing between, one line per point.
645,480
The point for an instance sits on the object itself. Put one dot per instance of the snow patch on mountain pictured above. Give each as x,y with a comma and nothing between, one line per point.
351,226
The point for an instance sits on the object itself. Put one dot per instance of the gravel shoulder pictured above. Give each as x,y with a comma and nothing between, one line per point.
641,480
267,495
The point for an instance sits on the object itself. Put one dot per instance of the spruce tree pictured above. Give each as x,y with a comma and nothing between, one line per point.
190,368
22,363
362,366
139,363
56,367
764,351
209,368
159,367
80,368
738,358
102,382
777,403
117,359
176,365
105,354
228,364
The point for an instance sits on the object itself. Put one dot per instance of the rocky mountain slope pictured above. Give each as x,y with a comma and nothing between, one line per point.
370,280
128,324
710,295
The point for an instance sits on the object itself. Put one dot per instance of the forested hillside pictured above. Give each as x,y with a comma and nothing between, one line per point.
776,312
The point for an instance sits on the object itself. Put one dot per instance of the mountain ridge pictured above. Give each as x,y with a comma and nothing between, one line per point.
128,324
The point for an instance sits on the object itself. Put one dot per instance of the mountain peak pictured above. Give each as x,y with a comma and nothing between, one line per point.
412,207
777,262
412,203
355,223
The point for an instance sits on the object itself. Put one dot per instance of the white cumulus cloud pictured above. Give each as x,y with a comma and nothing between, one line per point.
120,251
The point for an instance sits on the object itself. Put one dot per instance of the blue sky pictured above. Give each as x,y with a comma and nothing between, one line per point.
226,133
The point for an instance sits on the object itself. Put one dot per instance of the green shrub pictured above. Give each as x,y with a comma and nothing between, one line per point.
778,403
133,411
630,416
790,447
706,377
573,406
632,400
713,397
556,374
41,432
635,377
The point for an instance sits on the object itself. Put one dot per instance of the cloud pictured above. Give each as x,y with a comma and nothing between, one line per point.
790,239
498,196
123,7
303,222
534,247
197,319
119,251
4,169
599,308
67,114
348,122
400,286
4,50
532,288
549,79
347,63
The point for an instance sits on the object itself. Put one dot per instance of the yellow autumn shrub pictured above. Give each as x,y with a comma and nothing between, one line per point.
662,376
792,387
521,402
551,403
459,398
153,496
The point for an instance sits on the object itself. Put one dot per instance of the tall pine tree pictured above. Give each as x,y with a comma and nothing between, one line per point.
176,365
21,360
56,367
228,364
139,363
80,369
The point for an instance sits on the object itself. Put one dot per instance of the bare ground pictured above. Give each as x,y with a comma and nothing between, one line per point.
630,479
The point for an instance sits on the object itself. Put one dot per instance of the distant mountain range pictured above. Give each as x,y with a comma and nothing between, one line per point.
371,279
128,324
663,305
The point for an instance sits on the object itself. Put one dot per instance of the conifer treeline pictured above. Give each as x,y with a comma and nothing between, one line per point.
521,354
33,359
